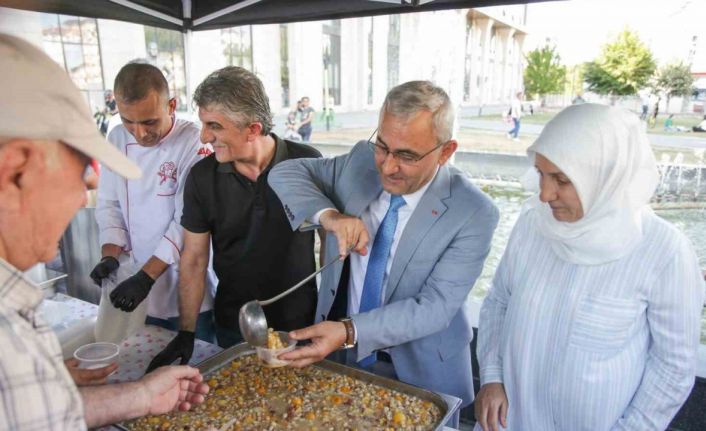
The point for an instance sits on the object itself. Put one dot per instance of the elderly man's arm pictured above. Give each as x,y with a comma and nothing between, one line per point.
674,318
167,389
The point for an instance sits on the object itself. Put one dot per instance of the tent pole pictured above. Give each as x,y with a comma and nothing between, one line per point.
187,69
225,11
148,11
188,35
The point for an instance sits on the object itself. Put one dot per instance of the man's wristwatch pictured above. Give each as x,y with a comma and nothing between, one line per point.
350,333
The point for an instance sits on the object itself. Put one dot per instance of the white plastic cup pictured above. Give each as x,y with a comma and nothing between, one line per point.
96,355
269,356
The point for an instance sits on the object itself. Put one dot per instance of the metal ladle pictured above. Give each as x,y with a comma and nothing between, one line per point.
252,321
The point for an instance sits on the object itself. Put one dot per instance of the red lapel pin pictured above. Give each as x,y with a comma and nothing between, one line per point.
434,212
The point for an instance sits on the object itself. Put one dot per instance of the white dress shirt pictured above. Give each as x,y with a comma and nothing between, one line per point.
372,218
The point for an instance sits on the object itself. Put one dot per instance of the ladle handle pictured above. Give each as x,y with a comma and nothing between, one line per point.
301,283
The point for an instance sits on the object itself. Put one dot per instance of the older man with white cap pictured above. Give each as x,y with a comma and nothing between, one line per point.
47,139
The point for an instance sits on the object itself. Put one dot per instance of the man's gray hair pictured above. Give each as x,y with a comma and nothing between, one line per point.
239,94
411,97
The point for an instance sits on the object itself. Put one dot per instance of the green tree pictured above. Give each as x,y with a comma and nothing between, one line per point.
574,80
624,66
544,73
674,80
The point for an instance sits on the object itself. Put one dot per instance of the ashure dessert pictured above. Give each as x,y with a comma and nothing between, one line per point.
273,340
247,396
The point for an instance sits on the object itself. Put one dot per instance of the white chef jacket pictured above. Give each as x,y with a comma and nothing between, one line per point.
143,216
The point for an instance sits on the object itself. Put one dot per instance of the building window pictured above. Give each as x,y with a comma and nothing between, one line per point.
284,63
393,52
332,61
73,43
468,62
237,46
370,60
165,50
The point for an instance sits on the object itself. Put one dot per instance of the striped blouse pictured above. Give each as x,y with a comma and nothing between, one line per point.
606,347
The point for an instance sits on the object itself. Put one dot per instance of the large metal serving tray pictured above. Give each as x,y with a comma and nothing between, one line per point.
446,404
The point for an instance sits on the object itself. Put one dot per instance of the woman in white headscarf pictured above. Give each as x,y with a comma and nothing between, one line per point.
593,319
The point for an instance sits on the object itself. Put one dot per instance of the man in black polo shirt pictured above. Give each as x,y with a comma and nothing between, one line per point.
229,205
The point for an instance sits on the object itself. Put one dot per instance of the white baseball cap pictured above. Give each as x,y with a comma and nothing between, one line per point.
38,100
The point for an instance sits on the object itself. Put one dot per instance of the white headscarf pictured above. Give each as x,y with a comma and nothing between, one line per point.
605,153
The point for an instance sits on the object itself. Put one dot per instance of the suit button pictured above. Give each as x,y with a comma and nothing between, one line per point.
333,292
323,317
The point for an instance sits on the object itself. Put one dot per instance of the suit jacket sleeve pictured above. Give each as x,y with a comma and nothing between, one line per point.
306,186
441,296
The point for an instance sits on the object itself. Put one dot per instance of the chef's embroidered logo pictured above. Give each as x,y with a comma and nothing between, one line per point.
204,151
167,171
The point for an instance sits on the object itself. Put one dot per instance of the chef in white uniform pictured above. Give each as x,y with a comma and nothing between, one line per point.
142,217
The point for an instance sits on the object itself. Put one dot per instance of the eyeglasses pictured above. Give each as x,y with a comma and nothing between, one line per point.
402,156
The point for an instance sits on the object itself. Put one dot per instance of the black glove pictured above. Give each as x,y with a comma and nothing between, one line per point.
128,294
103,269
182,346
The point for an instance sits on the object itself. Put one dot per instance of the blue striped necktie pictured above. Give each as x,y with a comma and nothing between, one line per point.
377,263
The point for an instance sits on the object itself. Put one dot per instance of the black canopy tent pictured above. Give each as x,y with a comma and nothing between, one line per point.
197,15
194,15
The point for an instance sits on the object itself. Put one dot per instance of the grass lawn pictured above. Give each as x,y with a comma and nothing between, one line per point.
538,117
687,120
489,141
468,139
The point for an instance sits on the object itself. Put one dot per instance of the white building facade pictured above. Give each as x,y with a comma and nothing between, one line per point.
475,54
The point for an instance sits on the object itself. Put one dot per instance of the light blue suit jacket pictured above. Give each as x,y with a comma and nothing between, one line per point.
439,256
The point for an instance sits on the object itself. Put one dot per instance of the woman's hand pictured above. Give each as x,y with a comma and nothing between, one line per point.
491,407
